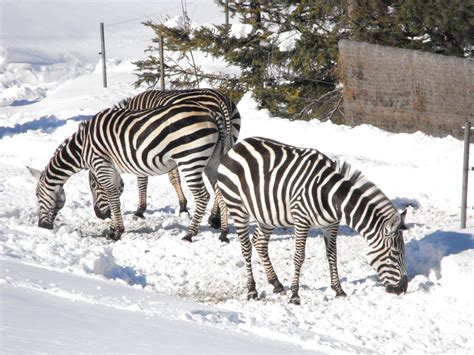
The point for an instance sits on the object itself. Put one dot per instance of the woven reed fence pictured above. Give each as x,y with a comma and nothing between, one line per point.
403,90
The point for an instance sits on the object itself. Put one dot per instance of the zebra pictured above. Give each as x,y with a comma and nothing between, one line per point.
227,116
143,143
279,185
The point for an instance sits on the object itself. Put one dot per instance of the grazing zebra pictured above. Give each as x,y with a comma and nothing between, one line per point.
280,186
143,143
227,117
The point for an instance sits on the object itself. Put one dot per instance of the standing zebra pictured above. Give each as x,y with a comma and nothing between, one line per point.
143,143
227,118
280,186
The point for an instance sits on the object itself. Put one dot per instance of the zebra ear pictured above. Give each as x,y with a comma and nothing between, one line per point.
403,225
35,172
396,223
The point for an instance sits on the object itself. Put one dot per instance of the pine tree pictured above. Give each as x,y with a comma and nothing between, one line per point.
300,80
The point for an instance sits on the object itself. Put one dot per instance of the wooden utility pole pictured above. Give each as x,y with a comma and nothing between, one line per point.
162,63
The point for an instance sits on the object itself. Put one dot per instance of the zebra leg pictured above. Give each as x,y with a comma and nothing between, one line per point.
223,212
330,238
215,217
142,182
175,180
109,179
201,198
301,234
242,228
260,241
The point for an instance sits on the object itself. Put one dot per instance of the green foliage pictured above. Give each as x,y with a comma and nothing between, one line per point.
301,81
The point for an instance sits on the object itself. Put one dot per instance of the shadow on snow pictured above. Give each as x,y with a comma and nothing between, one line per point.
46,124
425,255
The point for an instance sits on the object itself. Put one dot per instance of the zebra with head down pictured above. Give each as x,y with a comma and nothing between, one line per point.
143,143
227,118
281,186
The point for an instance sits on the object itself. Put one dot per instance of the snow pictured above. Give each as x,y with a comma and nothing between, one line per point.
68,290
286,41
240,30
90,315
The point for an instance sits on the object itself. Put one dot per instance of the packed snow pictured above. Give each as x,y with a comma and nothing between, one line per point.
69,290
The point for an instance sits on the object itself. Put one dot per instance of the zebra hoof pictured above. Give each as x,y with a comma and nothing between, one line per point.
223,238
214,221
339,291
252,295
295,299
139,214
277,286
112,234
188,238
183,209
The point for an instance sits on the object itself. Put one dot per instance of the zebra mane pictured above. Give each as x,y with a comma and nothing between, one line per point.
61,146
123,103
75,135
356,177
351,174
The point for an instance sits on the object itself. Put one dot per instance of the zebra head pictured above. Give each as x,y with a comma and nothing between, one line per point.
99,196
388,254
51,198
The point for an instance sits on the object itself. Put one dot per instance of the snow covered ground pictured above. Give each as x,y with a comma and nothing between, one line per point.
68,290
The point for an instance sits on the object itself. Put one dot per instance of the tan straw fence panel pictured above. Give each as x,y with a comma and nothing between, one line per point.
403,90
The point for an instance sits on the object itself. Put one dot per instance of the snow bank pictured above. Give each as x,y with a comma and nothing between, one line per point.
151,258
61,290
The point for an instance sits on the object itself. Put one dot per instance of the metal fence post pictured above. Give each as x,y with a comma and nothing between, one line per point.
162,63
102,52
465,172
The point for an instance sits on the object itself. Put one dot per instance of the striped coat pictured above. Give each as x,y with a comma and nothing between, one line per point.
280,186
143,143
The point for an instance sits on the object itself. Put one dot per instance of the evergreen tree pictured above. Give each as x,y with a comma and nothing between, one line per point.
300,80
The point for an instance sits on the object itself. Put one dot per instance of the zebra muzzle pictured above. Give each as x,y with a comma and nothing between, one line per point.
400,288
45,225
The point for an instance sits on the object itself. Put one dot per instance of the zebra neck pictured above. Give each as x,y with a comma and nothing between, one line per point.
363,209
67,160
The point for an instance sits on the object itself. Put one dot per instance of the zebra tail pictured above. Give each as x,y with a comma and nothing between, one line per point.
225,132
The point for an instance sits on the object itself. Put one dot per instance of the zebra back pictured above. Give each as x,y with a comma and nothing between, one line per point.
227,114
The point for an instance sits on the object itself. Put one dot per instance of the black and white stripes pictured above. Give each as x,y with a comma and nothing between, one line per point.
143,143
226,116
281,185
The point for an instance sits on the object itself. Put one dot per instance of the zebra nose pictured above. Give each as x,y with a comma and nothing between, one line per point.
46,225
400,288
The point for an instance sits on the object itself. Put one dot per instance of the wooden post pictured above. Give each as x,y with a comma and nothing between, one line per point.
226,9
162,64
465,172
102,52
